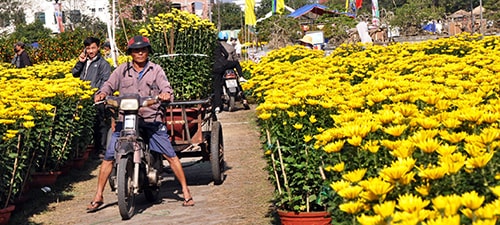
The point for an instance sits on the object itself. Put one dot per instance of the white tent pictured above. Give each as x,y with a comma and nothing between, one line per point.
269,14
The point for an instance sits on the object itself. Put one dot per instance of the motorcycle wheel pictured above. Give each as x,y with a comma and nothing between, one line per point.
126,196
232,101
217,153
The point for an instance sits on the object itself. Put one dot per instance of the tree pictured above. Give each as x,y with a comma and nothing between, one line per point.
412,15
279,31
231,16
11,14
30,33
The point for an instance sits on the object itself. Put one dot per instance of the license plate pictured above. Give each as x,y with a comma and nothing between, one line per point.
129,123
231,83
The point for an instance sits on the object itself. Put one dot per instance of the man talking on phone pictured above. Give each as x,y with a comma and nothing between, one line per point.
91,66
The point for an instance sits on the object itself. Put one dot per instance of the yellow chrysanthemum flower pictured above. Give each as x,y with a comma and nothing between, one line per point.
355,175
410,203
472,200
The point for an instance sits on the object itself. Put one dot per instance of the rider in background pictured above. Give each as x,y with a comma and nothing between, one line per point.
221,64
91,66
145,78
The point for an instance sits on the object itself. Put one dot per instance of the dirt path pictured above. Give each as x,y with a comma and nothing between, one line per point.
243,198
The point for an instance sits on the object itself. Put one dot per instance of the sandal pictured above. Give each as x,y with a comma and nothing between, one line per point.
94,206
188,202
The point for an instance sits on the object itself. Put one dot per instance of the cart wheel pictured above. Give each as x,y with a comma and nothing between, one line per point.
232,101
217,153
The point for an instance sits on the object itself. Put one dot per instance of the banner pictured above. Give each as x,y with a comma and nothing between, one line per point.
250,13
58,16
278,6
375,13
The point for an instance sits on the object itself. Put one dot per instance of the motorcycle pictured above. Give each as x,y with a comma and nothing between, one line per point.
136,169
231,91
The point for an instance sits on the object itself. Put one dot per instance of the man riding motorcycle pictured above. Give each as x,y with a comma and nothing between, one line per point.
221,64
146,79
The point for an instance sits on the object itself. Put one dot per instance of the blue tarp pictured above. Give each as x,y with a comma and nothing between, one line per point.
314,8
431,27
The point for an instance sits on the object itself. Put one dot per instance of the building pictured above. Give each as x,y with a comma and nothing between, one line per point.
55,15
58,14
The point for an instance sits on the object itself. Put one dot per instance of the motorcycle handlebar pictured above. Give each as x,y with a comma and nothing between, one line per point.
114,101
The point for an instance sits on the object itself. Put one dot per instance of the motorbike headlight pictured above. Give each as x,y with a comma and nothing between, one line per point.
129,104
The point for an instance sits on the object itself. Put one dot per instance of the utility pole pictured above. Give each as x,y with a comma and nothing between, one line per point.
481,17
218,15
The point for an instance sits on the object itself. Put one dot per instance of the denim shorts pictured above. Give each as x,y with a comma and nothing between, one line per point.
157,134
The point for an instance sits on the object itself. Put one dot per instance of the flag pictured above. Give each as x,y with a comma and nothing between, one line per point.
278,6
375,13
58,16
359,3
250,13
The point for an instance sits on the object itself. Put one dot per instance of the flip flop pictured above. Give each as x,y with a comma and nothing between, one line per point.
94,206
188,202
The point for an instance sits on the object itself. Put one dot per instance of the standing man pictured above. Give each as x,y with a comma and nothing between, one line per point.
145,78
91,66
21,58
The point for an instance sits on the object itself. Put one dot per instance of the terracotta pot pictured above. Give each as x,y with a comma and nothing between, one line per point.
66,168
86,153
5,214
41,179
79,162
304,218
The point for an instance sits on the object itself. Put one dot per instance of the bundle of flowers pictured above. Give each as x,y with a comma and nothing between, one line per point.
183,45
403,134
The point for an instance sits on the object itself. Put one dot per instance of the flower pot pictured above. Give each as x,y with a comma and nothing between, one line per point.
66,168
86,153
79,162
304,218
41,179
5,214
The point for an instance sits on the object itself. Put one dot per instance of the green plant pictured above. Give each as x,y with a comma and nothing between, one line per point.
183,45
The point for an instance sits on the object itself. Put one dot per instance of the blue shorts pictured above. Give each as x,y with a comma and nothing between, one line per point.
158,139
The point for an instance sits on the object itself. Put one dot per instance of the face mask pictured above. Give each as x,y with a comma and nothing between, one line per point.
16,50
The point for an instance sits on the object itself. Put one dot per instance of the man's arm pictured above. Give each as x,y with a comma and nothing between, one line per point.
164,84
111,85
25,60
77,70
104,72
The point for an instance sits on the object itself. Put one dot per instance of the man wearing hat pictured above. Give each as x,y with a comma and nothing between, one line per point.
147,79
307,41
21,58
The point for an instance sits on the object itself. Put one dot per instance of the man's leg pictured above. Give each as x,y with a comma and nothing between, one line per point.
217,87
159,142
104,172
176,166
101,127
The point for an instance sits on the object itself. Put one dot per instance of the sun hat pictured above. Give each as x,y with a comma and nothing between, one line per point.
307,39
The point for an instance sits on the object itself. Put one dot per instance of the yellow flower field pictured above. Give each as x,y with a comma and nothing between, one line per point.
422,121
46,120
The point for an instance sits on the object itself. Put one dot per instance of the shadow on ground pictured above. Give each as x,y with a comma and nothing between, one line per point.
36,200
